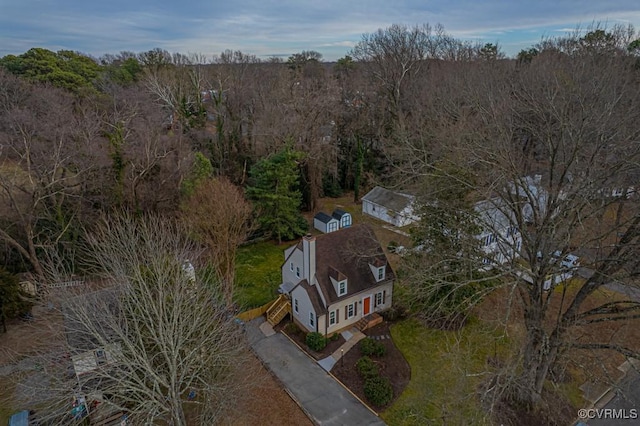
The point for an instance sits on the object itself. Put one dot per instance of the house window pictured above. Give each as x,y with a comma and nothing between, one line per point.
295,305
332,226
486,261
101,356
381,273
312,319
332,318
379,299
342,288
291,266
346,221
351,310
298,271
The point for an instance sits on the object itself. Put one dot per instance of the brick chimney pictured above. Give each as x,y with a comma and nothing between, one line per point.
309,250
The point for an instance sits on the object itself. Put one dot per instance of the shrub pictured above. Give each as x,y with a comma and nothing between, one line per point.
334,337
370,347
316,341
291,329
366,368
378,390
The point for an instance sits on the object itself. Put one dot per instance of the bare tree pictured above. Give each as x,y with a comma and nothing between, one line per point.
219,216
44,156
555,141
153,340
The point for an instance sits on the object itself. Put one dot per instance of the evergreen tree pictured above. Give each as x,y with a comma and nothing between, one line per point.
276,197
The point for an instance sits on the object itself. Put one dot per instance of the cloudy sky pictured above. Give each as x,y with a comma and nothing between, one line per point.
281,27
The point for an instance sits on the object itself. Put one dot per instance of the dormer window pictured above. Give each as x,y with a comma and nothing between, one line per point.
342,288
380,275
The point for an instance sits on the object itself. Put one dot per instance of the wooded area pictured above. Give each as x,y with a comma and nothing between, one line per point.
246,144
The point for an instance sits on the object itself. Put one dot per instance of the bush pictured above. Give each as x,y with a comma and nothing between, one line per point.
292,330
316,341
370,347
334,337
378,391
366,368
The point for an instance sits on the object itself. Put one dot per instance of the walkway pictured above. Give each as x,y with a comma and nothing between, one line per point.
351,337
324,400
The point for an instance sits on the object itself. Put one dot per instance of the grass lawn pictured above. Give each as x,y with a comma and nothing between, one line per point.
258,273
446,368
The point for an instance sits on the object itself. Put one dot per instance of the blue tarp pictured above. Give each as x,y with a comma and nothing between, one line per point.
20,419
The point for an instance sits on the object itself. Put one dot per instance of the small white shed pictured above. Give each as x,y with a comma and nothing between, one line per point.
343,217
325,223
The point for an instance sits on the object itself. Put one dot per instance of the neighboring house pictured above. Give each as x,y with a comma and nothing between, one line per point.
325,223
90,360
392,207
533,195
500,238
337,279
343,217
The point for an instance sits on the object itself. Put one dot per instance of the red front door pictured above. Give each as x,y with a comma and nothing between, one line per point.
366,306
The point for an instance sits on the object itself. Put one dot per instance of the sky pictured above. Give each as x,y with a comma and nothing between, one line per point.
268,28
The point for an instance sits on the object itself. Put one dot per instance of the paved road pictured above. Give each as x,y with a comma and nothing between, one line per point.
626,400
627,397
324,399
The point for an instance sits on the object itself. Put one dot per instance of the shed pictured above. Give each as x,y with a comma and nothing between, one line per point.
325,223
392,207
343,217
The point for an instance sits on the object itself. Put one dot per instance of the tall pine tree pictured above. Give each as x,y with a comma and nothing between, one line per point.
276,196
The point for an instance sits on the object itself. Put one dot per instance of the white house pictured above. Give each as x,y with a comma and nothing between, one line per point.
325,223
336,280
500,238
392,207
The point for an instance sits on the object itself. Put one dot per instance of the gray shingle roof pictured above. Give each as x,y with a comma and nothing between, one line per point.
391,200
323,217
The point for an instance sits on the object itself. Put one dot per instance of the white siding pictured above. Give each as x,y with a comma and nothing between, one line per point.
358,298
304,307
331,226
296,259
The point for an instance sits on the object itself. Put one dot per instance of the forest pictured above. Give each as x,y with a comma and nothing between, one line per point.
246,144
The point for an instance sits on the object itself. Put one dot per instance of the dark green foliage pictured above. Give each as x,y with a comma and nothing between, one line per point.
276,199
445,275
316,341
123,72
65,68
13,301
331,186
334,337
367,368
200,170
378,391
370,347
292,329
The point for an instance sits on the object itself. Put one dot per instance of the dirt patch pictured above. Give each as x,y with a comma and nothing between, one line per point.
25,338
392,366
267,402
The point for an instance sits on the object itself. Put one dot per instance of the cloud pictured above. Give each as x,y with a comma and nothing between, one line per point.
259,27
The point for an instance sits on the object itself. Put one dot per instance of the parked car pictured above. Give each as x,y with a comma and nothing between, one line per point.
570,261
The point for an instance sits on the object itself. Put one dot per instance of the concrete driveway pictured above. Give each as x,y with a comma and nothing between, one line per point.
324,400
